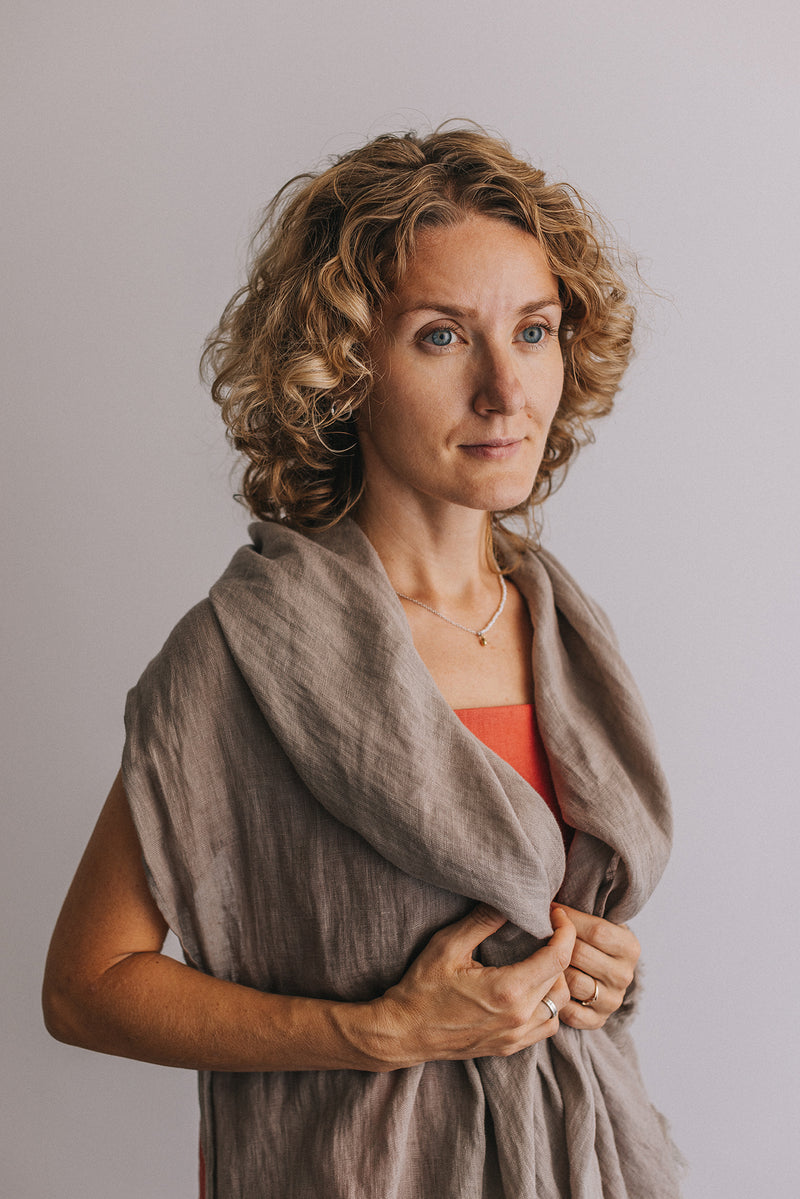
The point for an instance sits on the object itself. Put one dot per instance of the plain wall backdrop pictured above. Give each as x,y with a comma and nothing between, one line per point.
140,141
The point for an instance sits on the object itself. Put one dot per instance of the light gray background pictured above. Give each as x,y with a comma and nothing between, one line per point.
141,141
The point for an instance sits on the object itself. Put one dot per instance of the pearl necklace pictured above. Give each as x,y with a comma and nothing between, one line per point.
479,633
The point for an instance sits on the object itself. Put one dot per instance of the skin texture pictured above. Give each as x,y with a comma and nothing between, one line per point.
485,289
461,367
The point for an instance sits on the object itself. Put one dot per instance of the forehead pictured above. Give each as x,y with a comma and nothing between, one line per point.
480,257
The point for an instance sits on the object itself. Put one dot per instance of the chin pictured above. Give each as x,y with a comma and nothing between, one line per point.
500,502
506,496
502,493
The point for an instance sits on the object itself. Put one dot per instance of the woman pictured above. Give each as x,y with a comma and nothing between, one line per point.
334,787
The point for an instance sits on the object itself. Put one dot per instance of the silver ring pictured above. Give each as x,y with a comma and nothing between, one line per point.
589,1002
548,1003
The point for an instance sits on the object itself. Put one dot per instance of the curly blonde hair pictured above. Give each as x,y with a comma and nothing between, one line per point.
288,363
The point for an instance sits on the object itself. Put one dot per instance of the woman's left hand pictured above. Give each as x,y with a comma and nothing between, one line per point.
602,962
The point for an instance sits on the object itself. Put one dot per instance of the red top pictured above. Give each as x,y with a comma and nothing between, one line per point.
511,731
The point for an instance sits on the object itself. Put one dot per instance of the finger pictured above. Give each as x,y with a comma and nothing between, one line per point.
562,942
576,1016
550,1006
583,1010
564,930
458,941
547,964
616,940
558,995
586,989
614,972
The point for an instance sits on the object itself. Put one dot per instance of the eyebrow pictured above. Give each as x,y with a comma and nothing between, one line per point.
455,311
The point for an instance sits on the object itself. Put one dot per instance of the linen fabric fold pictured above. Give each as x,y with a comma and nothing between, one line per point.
311,811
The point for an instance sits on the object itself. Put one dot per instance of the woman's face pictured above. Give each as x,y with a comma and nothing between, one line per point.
468,371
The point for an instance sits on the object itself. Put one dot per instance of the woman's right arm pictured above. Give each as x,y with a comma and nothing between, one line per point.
109,988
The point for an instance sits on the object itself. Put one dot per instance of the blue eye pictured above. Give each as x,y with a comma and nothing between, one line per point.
440,337
533,334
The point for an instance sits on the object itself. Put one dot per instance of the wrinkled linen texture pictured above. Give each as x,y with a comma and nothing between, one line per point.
311,811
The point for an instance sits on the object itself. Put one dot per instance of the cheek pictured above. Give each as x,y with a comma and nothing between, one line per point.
556,389
545,389
557,367
390,430
405,410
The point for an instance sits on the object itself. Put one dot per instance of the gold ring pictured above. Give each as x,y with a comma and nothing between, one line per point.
589,1002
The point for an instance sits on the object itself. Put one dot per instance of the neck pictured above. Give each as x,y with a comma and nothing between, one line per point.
441,557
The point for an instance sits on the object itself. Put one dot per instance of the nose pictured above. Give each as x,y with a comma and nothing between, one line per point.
498,388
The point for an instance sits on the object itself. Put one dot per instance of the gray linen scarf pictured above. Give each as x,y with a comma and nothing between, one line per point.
311,810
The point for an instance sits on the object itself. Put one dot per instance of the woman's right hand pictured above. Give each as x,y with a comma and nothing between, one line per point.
108,987
448,1006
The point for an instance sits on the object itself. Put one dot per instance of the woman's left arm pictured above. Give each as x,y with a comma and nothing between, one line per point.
602,964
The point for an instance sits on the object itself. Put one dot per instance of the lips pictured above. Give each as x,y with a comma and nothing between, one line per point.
493,449
494,443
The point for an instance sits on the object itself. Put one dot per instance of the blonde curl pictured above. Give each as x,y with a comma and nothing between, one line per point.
288,363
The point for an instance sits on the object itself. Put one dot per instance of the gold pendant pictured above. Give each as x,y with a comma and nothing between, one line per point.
481,638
